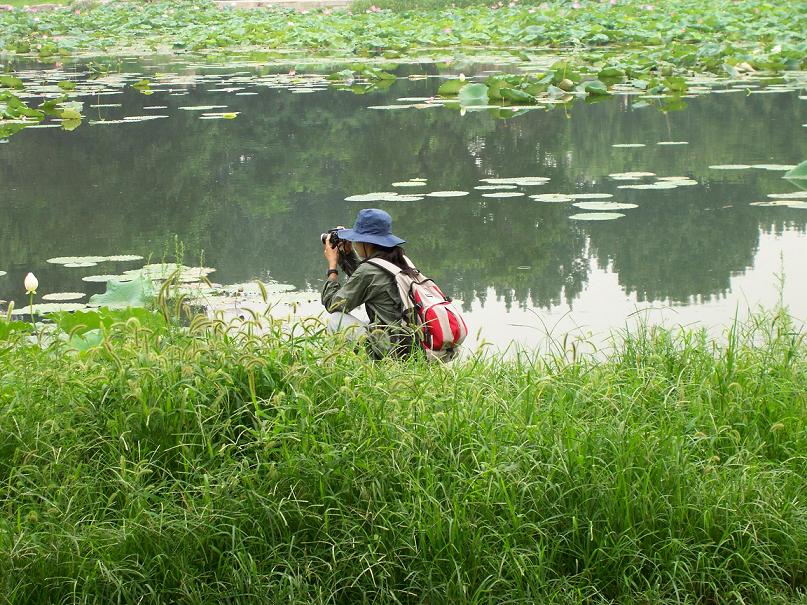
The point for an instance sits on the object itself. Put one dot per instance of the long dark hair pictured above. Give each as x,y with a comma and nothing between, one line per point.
395,255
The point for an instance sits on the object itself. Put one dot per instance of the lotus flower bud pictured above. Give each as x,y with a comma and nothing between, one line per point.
31,283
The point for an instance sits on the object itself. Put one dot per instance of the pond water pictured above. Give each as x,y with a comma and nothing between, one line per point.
251,195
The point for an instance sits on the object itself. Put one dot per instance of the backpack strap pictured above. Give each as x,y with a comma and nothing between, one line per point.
384,264
403,281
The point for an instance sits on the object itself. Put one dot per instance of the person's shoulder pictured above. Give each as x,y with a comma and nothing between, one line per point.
365,269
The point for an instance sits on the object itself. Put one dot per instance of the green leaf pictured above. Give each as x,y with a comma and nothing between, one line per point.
516,96
595,87
11,82
87,340
611,73
345,74
676,84
80,322
7,328
450,87
119,295
473,94
67,85
799,172
70,114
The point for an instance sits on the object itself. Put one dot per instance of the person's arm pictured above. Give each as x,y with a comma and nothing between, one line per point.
349,260
345,298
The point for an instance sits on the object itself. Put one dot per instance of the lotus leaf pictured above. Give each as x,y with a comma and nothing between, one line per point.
797,172
503,194
607,206
135,293
42,309
473,95
552,197
447,194
62,296
596,216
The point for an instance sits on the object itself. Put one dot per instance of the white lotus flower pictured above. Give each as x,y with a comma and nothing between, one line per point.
31,283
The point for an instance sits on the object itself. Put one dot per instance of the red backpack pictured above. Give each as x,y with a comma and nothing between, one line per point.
441,327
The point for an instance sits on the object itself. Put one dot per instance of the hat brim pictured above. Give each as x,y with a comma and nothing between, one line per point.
388,241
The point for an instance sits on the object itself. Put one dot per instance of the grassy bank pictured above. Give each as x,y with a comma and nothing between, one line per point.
207,466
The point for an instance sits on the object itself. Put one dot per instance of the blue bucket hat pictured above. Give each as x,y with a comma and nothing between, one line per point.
373,226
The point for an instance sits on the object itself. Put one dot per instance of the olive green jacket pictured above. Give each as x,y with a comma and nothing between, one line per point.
370,285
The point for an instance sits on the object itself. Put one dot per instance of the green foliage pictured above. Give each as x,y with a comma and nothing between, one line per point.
682,35
473,94
7,328
799,172
80,322
138,292
214,465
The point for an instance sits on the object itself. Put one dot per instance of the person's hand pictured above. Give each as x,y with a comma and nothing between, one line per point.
331,254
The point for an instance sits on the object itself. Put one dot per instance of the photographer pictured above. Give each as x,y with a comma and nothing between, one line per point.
387,332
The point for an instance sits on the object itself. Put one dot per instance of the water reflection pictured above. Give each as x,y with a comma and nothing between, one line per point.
252,195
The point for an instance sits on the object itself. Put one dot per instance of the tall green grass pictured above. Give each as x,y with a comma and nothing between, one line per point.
207,465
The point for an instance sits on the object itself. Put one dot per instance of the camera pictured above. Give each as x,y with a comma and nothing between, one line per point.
331,236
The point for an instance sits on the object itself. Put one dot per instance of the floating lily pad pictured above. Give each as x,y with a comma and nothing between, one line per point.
494,187
657,185
596,216
503,194
378,196
447,194
772,203
390,106
774,167
203,107
526,181
66,260
59,296
2,273
122,258
606,206
229,115
79,265
143,118
730,167
629,176
409,184
552,197
680,182
43,308
105,278
628,145
162,271
794,195
673,143
591,196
